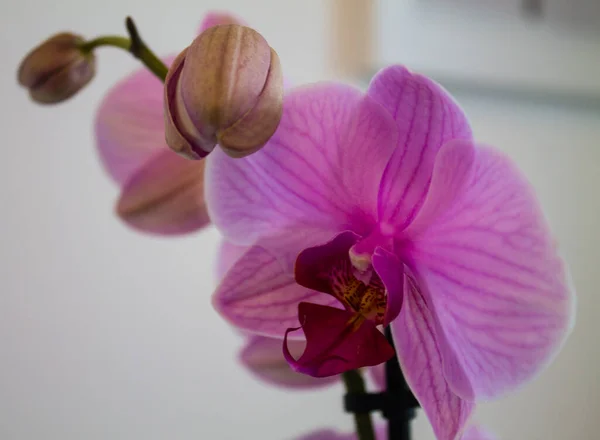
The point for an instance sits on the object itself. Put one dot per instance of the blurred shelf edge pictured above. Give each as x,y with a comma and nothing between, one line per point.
361,46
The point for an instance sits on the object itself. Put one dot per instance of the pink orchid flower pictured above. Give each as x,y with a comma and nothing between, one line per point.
161,193
473,433
376,209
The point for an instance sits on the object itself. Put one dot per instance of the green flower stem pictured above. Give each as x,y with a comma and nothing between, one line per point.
354,383
110,40
135,45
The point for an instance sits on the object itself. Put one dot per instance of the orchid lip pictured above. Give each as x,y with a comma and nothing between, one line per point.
336,341
351,326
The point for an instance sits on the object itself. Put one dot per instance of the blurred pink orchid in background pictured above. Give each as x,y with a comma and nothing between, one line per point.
473,433
372,209
161,192
476,432
330,434
263,358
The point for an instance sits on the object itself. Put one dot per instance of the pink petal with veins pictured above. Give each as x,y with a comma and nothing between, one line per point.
166,196
306,173
259,293
227,255
129,124
420,357
426,117
496,283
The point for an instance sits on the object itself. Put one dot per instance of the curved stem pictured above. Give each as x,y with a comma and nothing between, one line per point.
142,52
109,40
354,383
135,45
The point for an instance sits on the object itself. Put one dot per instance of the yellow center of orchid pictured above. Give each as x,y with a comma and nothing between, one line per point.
365,296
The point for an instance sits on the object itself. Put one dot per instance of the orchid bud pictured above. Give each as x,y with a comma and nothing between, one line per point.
56,69
225,88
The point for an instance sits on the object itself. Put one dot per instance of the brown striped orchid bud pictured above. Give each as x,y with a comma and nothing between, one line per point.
226,88
57,69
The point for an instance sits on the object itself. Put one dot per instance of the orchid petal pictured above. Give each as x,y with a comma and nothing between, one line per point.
166,196
330,434
129,125
227,255
263,357
217,18
473,433
334,344
259,293
420,358
497,285
476,432
426,117
325,434
452,172
307,172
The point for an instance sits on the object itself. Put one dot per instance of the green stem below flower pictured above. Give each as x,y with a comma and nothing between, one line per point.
135,45
355,383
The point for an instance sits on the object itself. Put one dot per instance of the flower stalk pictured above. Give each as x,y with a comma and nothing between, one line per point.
397,402
134,44
399,414
355,383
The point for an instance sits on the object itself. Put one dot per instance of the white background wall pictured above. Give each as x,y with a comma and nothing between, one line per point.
492,40
107,333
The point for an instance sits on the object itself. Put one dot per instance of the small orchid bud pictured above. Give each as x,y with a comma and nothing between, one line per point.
225,88
56,69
